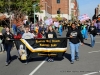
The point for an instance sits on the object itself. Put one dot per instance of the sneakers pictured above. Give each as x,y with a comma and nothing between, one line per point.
77,59
6,64
72,62
50,60
26,63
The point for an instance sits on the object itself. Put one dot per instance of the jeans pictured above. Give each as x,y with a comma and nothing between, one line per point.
74,49
92,40
8,49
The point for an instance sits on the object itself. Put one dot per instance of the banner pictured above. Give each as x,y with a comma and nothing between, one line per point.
45,45
56,24
83,17
49,21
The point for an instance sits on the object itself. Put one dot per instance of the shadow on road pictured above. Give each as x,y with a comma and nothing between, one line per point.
14,57
68,56
87,44
33,59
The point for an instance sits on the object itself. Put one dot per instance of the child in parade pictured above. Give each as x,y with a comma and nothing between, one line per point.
93,32
75,37
50,34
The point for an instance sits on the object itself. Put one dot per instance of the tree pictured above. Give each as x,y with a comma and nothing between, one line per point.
20,8
58,17
23,6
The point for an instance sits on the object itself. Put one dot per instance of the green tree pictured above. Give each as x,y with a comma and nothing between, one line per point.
22,6
58,17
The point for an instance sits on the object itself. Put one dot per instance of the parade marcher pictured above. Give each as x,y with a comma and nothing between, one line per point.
98,27
36,28
31,27
93,32
60,29
3,31
79,26
27,35
86,31
1,45
75,37
14,29
8,42
95,24
51,34
83,30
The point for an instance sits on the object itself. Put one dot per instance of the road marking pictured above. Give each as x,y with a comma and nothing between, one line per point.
91,73
38,67
94,51
97,42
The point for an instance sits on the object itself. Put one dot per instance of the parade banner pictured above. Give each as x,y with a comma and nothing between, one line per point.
49,21
83,17
56,24
58,45
33,48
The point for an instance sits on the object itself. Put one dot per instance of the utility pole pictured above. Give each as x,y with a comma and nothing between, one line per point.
9,13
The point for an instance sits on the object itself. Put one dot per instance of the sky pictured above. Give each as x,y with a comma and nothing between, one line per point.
88,6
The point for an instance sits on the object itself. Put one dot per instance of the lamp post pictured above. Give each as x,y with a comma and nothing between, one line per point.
34,13
34,6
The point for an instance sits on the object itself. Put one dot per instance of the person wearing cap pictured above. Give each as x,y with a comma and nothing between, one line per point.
75,37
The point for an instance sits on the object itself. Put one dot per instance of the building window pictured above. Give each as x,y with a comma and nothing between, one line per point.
58,1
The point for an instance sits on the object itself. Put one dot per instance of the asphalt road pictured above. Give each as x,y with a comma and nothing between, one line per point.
88,64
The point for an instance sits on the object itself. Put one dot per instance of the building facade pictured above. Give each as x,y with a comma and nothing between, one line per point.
65,8
97,10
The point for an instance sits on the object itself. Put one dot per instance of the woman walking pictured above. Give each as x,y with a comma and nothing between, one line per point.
8,42
75,37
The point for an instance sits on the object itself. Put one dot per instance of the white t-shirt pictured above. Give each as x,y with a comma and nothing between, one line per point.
28,35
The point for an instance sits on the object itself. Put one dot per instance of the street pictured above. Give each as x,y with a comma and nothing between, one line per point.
88,64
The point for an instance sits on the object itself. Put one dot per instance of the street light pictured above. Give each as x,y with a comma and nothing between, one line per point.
34,11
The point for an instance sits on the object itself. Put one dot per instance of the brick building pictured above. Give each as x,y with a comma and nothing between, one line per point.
97,10
74,9
51,8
